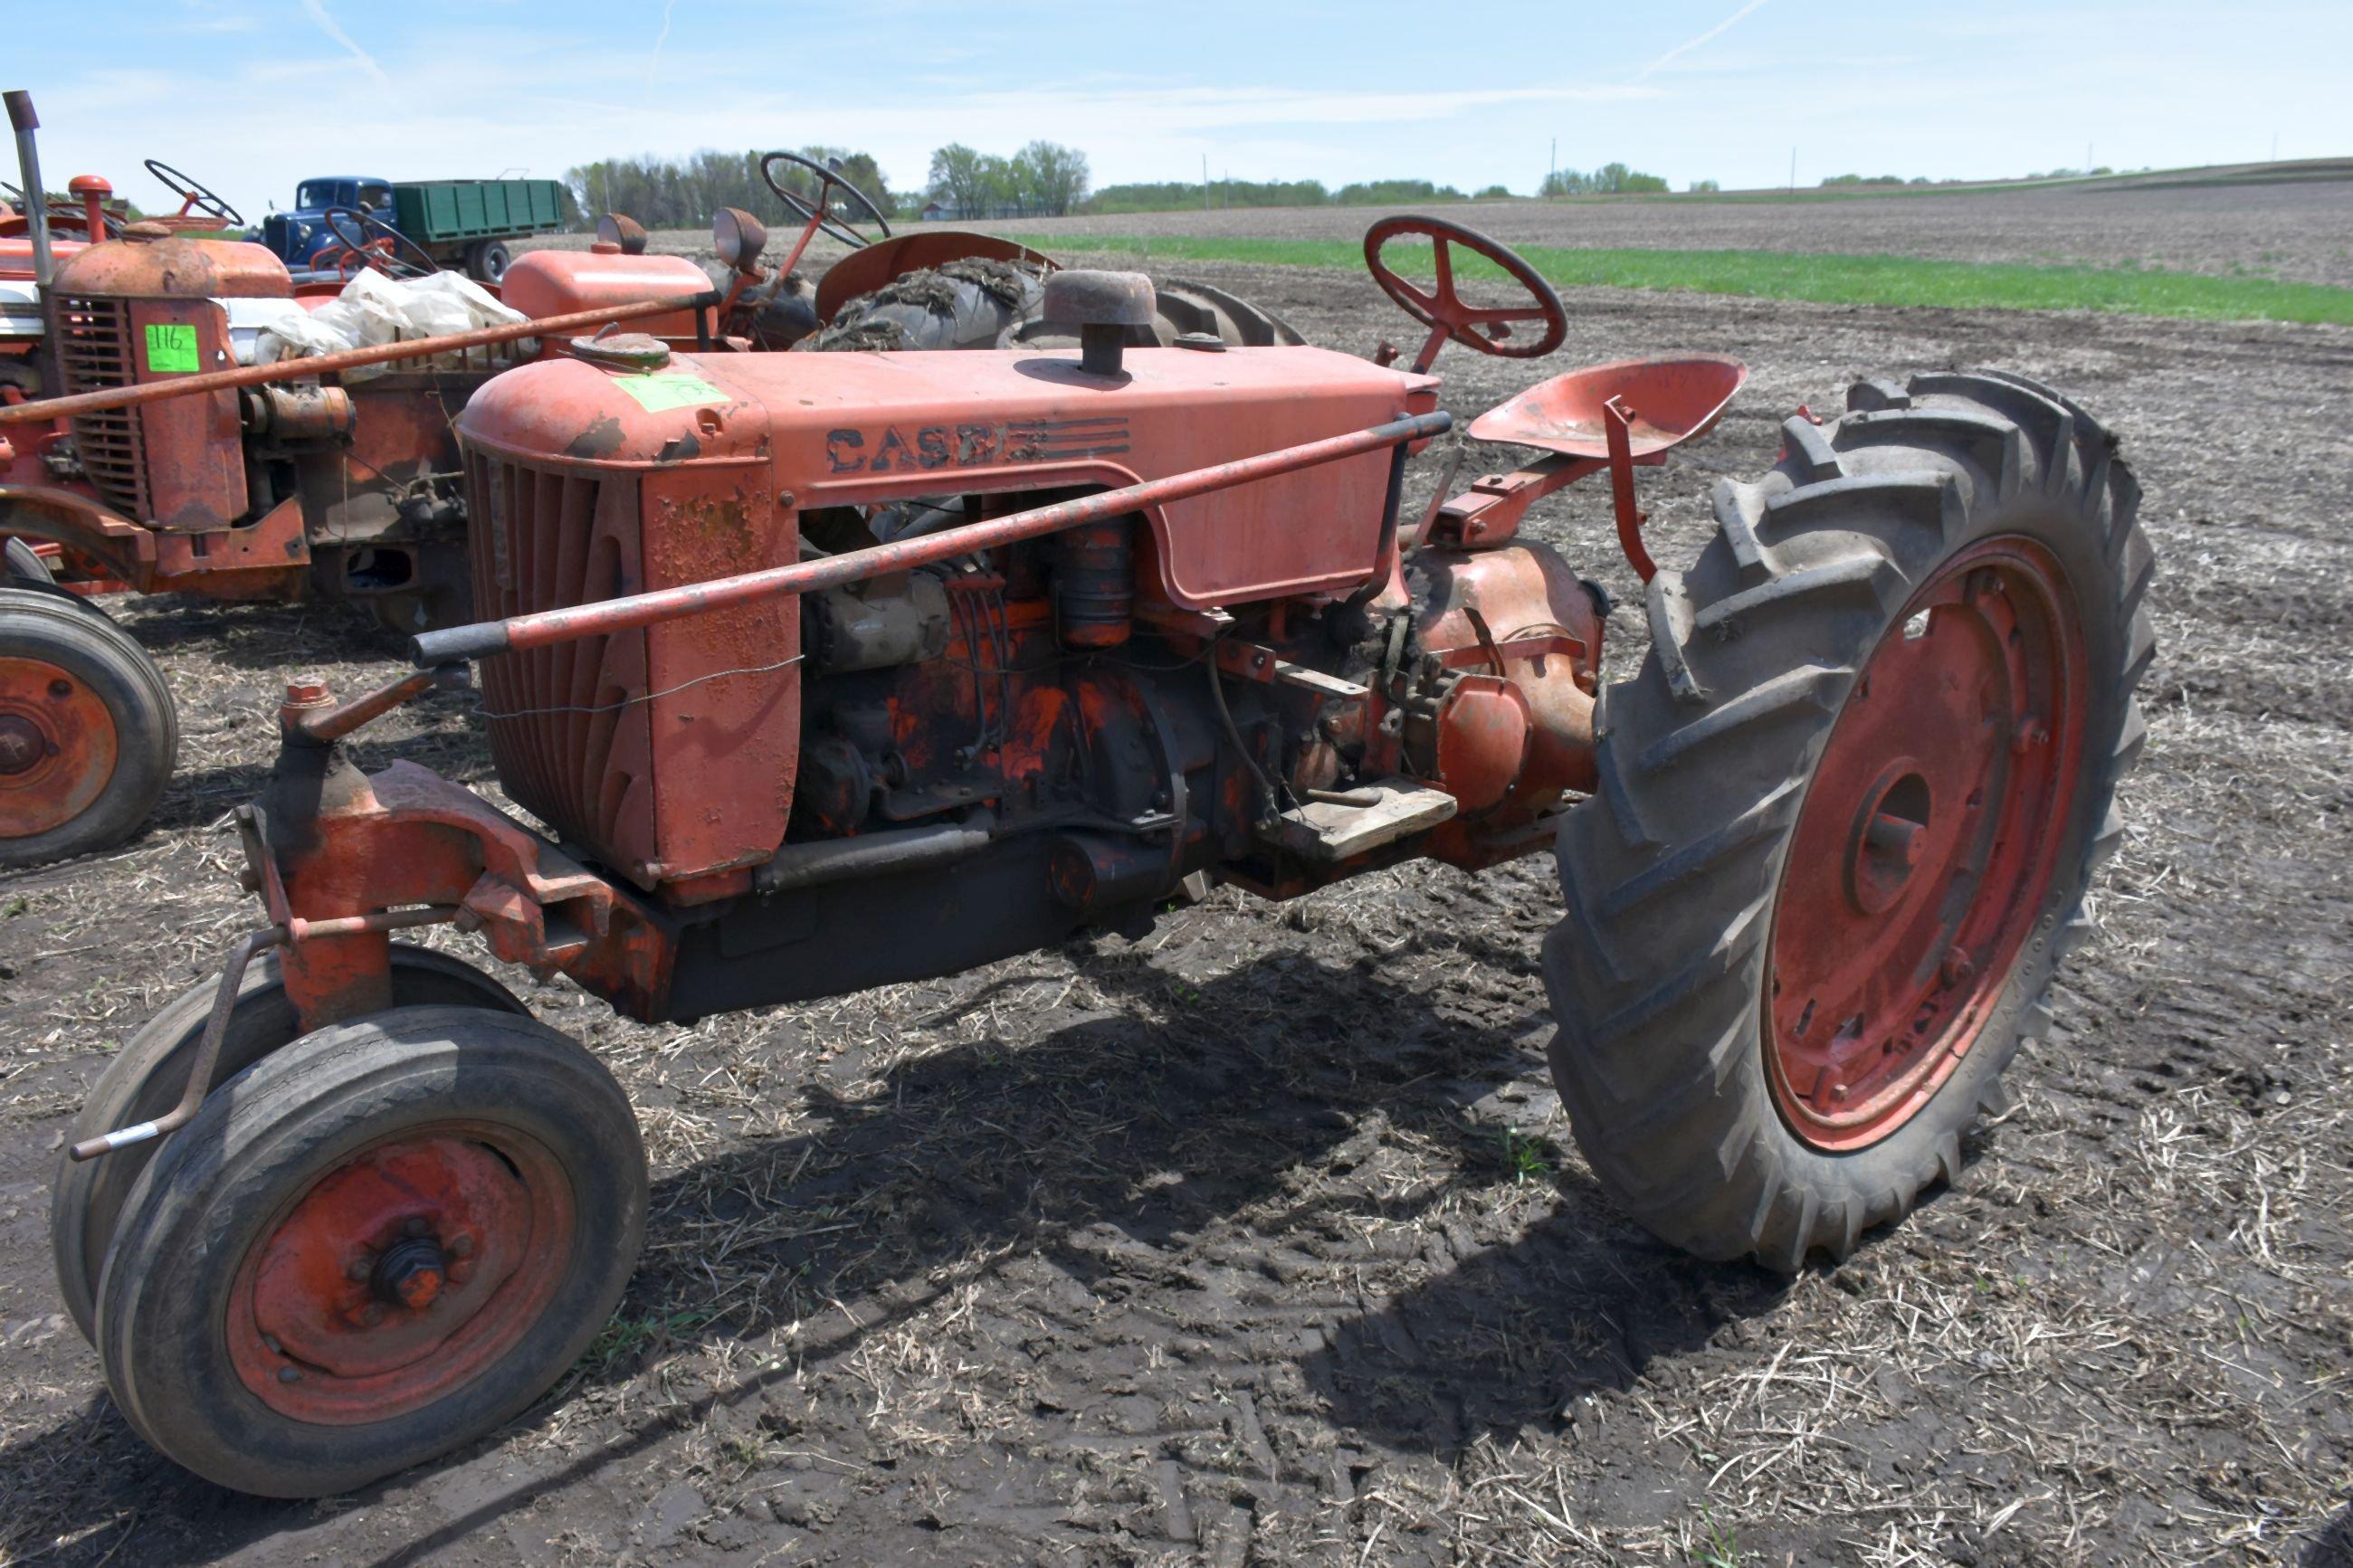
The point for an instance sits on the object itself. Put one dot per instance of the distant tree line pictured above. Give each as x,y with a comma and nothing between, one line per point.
1609,180
1043,179
683,192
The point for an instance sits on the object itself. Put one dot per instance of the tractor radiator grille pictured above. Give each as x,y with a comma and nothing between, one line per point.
568,723
95,353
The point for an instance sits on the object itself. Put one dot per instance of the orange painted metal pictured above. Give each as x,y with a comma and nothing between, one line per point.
330,843
1483,726
670,749
1520,613
1441,308
555,283
1672,401
1929,834
402,1275
57,746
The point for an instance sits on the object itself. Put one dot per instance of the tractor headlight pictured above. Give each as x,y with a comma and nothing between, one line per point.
738,239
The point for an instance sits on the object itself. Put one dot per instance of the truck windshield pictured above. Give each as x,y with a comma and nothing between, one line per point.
312,193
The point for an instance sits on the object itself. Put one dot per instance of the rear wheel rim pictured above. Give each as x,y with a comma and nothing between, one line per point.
402,1275
58,746
1927,846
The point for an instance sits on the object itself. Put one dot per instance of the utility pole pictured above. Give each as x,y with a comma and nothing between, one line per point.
1793,170
1205,181
1552,170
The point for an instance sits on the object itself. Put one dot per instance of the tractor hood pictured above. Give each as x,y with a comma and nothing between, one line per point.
159,265
838,429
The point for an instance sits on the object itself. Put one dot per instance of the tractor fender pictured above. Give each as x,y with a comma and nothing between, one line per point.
83,526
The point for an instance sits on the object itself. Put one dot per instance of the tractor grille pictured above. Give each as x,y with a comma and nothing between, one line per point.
568,725
94,352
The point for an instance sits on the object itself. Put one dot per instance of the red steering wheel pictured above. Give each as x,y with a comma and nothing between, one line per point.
1442,311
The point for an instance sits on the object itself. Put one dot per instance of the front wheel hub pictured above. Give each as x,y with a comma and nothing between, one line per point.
401,1275
1926,847
57,746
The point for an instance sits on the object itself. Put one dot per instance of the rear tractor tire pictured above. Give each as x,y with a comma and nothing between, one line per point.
1850,804
87,733
378,1244
149,1074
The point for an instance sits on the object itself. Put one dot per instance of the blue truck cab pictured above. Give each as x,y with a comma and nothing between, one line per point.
454,223
298,236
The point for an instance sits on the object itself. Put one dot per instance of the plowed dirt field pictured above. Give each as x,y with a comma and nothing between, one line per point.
1262,1240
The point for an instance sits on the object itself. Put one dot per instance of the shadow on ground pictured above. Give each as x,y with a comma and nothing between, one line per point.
1154,1126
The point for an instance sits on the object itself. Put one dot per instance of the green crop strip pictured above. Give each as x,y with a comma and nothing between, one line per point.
1829,279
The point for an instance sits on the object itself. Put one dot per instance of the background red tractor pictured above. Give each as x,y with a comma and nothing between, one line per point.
825,673
159,458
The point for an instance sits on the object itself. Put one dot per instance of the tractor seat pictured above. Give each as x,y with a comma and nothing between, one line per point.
1670,400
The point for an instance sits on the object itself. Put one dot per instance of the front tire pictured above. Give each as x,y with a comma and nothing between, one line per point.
149,1074
1848,808
380,1244
87,733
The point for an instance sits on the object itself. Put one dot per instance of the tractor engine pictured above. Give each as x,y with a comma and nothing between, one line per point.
936,767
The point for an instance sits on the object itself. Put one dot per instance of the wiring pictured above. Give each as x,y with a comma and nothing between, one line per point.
648,697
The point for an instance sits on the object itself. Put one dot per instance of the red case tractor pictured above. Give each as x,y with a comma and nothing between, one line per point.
827,672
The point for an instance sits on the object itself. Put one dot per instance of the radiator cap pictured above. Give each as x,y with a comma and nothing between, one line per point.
1079,298
1103,306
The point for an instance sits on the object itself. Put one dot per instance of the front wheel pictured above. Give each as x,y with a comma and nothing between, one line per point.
1848,808
384,1241
149,1074
87,733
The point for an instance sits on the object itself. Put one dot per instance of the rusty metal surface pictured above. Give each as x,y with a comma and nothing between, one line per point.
327,844
547,627
350,359
175,267
192,445
873,427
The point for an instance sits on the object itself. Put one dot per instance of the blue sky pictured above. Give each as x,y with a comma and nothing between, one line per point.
252,95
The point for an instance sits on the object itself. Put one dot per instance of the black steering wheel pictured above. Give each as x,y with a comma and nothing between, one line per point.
195,197
820,213
1442,310
378,243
